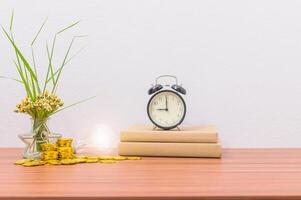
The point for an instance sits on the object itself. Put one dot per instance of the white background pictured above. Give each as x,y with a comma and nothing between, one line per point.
240,62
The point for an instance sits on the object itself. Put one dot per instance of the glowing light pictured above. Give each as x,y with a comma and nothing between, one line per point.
104,137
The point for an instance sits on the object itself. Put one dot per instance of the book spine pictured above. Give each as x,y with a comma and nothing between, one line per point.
140,136
211,150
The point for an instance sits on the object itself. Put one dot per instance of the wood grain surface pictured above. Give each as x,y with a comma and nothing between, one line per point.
240,174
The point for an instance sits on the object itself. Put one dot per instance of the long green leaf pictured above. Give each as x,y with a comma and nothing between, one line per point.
26,64
34,89
62,65
68,27
12,37
50,68
35,69
50,63
32,54
34,61
24,81
73,56
24,71
11,78
11,21
54,74
79,102
39,31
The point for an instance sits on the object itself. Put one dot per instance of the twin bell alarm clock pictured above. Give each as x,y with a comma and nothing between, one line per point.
166,108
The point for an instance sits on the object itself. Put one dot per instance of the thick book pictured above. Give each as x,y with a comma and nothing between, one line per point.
194,134
210,150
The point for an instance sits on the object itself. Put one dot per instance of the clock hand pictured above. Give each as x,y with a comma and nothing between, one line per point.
166,103
162,109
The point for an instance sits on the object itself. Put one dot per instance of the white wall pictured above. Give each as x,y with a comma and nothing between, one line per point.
240,62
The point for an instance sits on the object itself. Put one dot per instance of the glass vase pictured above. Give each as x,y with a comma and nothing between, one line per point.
38,135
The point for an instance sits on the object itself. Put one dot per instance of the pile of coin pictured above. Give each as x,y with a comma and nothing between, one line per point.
65,149
49,155
62,153
49,151
75,160
61,150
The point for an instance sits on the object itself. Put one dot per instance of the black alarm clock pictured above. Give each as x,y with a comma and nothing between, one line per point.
166,108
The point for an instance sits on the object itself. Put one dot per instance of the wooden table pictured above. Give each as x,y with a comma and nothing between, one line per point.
240,174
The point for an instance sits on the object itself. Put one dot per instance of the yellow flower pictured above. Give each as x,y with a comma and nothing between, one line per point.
45,103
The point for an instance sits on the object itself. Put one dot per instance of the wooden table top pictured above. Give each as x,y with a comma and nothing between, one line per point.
240,174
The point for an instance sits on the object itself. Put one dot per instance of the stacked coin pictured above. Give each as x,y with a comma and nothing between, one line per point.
64,142
48,147
65,150
65,153
49,151
50,155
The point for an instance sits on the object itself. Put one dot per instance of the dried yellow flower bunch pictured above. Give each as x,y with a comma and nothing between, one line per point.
45,104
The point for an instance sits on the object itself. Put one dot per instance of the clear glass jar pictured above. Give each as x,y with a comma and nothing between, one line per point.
38,135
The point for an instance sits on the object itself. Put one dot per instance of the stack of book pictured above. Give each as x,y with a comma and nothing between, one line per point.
198,141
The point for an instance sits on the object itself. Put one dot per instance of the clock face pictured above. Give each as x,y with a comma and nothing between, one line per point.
166,109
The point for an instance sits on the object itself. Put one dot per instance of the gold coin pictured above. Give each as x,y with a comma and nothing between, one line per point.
54,162
133,158
119,158
67,162
64,142
50,152
49,147
92,157
79,160
34,163
42,162
106,157
65,152
107,161
73,161
65,157
50,158
50,155
20,162
38,162
28,164
65,149
90,160
82,157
